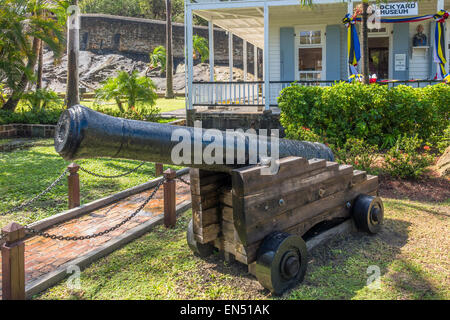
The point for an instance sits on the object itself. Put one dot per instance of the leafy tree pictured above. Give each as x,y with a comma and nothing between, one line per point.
130,87
201,48
23,28
155,9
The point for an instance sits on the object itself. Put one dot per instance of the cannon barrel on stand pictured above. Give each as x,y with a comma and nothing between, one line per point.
84,133
259,219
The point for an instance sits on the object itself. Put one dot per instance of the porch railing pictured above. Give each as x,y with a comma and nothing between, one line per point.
252,94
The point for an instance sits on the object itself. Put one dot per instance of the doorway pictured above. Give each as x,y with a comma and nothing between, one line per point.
379,57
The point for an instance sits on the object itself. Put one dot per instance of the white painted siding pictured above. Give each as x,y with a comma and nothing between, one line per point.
291,16
332,14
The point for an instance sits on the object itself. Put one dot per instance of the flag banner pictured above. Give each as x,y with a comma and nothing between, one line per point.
353,46
439,44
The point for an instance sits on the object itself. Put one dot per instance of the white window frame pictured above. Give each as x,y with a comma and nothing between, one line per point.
322,45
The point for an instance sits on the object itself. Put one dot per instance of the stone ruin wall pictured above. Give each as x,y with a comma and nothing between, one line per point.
137,37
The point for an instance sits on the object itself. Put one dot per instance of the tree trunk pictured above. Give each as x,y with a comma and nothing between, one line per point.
40,65
119,104
365,42
73,46
14,99
169,55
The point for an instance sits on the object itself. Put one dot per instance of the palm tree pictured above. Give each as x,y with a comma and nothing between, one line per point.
169,55
73,39
201,48
130,87
23,27
365,41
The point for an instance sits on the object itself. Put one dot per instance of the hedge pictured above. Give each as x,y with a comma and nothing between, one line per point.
375,113
50,115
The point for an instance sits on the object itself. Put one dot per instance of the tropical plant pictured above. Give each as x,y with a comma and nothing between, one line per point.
130,87
42,98
23,28
158,58
201,48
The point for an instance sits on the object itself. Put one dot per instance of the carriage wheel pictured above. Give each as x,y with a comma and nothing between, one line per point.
281,262
368,213
203,250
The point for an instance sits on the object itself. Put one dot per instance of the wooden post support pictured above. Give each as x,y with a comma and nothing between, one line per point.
159,168
170,218
13,262
73,183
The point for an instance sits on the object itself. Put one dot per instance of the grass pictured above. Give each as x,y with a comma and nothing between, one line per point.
411,253
24,173
165,105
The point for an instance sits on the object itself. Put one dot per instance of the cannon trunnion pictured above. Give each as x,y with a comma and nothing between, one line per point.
262,220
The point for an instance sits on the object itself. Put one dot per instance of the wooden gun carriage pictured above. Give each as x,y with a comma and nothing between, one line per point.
261,220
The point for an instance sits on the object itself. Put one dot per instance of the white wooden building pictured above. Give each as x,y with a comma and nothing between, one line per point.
304,44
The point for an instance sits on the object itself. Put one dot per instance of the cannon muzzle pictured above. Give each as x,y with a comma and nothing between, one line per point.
84,133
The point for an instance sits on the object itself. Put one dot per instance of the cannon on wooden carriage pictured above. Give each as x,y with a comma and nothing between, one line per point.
259,219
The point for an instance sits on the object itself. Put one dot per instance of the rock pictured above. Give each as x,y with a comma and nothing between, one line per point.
443,164
96,68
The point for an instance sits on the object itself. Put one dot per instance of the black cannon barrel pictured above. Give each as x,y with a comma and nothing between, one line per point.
84,133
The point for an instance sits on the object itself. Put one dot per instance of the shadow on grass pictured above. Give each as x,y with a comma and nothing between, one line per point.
422,208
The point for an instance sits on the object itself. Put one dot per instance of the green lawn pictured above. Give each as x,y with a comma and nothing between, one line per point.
165,105
26,172
411,253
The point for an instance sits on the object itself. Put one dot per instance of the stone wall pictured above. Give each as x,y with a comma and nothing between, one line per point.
137,37
15,130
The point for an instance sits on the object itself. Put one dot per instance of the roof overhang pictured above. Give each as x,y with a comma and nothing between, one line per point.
246,23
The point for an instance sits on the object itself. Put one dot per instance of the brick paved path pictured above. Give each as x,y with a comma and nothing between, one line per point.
44,255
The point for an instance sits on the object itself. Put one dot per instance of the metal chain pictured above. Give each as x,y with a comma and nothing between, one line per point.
47,190
184,181
111,177
98,234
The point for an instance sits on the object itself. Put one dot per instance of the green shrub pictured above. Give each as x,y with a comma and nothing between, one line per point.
404,159
375,113
42,98
443,141
358,153
30,116
134,113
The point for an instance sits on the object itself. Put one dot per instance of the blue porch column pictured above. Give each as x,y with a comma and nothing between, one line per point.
401,46
333,52
287,54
